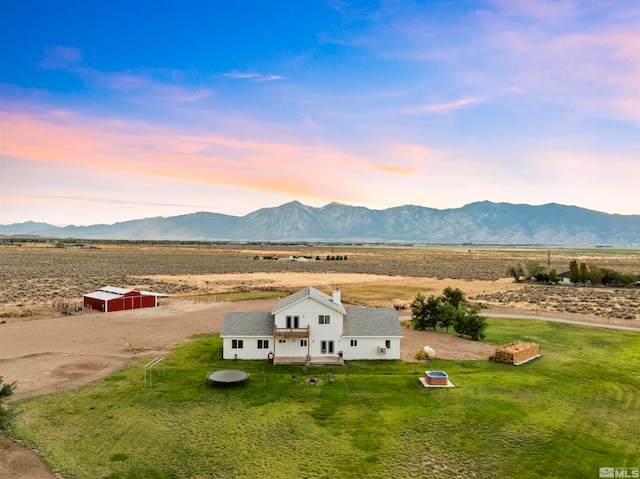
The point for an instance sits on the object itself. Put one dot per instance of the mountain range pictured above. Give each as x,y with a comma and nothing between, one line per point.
482,222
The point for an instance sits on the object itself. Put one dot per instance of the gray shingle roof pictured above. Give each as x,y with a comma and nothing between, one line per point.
247,324
308,292
372,322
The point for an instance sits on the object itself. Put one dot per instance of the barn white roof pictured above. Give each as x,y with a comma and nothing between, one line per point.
115,290
151,293
112,292
103,295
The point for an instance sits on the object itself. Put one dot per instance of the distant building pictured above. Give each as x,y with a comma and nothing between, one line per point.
110,298
564,277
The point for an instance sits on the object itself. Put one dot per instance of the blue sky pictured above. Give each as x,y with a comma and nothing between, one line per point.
118,110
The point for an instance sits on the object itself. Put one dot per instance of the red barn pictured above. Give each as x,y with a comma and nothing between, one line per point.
110,298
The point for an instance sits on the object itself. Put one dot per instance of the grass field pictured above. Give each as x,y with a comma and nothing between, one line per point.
563,415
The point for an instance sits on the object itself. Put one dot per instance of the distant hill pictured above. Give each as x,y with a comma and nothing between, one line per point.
479,223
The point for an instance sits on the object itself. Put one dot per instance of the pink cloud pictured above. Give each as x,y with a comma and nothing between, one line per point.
122,148
540,9
398,170
594,70
579,55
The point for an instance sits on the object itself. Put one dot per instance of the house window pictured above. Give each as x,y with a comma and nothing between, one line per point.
324,319
237,344
263,344
303,343
354,343
293,322
387,343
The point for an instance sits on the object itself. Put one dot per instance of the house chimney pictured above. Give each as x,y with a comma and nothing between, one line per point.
336,296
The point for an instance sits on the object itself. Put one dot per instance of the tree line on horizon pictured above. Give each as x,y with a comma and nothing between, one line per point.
579,273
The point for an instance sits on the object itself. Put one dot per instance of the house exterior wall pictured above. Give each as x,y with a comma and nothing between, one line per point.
249,348
308,311
326,322
368,348
290,347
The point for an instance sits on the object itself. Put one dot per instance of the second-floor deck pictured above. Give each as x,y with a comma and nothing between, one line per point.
291,332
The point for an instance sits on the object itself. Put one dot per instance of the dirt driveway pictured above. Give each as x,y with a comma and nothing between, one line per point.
55,354
61,353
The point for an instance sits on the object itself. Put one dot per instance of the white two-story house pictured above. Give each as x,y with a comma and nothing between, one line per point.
313,327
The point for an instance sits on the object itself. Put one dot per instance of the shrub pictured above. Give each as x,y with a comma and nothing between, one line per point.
6,416
517,271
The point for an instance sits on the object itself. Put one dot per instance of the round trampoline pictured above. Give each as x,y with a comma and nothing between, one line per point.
226,376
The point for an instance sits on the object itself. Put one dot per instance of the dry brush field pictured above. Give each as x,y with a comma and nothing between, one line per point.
38,275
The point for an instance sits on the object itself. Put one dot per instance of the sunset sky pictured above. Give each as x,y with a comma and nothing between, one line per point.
118,110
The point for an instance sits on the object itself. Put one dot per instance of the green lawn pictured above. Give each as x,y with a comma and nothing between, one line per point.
563,415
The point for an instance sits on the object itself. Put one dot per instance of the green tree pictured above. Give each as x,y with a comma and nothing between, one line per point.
455,297
629,279
553,276
475,324
471,324
425,312
448,314
517,271
450,309
418,312
533,268
6,390
432,308
595,274
574,272
584,273
453,307
616,278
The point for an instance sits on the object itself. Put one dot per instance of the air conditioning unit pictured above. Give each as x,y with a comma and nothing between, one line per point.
382,350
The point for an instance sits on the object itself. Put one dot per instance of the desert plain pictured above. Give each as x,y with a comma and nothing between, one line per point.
47,346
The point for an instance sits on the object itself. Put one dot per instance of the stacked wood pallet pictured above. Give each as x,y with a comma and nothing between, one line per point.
516,352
